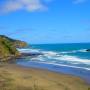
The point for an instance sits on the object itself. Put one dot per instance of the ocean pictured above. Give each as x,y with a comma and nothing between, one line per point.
65,58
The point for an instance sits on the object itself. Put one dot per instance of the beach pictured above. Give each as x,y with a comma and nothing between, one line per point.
44,44
16,77
72,59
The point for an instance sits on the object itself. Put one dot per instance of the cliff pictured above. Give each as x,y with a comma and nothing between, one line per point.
8,48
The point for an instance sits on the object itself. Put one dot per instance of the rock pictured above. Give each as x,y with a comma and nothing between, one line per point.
88,50
31,54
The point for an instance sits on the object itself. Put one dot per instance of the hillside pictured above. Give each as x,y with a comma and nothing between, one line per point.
8,48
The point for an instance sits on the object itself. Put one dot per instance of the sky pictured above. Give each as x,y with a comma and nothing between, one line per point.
46,21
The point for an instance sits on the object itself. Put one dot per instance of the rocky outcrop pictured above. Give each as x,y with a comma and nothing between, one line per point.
8,48
19,44
88,50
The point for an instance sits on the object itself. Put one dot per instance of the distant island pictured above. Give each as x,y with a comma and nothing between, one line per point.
8,48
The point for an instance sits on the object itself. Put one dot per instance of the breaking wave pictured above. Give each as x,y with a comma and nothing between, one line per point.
57,58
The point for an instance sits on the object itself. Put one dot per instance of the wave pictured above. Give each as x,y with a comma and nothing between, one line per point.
57,58
64,65
75,51
73,59
29,50
62,58
26,50
56,55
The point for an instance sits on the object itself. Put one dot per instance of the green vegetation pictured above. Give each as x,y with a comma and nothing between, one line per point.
8,48
16,43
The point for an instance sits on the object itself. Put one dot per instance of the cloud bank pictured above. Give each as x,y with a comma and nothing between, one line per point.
28,5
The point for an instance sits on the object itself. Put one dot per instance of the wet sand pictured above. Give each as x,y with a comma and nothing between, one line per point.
15,77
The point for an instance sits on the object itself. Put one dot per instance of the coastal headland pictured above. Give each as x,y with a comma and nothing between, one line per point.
15,77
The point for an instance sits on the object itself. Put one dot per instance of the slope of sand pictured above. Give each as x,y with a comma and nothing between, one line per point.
14,77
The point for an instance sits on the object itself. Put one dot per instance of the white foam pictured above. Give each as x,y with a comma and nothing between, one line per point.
55,58
73,59
49,53
29,50
74,51
65,65
82,50
67,58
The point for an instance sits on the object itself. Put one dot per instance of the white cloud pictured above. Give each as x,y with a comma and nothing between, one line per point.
79,1
28,5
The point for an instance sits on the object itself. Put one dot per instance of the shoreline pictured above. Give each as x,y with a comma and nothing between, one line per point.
23,77
62,73
83,74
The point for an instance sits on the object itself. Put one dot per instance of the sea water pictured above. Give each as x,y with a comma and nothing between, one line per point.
66,58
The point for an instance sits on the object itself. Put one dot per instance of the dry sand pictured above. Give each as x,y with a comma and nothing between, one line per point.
14,77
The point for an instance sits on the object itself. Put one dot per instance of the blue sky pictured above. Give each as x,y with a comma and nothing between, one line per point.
46,21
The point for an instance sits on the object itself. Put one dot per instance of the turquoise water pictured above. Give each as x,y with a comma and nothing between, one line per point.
67,54
66,58
77,49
